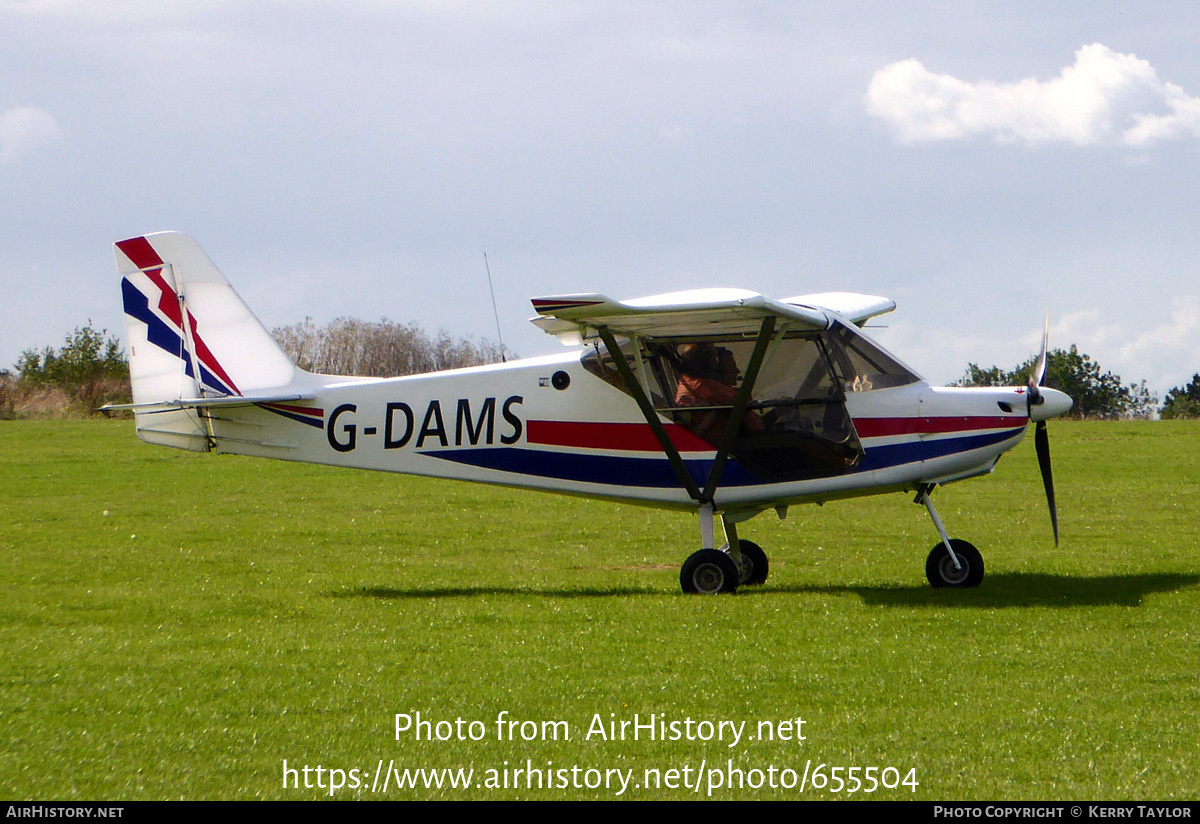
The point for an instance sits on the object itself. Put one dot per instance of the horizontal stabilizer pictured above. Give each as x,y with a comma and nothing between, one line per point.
203,403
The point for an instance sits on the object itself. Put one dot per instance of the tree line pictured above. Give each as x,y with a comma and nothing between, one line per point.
89,370
379,350
1097,394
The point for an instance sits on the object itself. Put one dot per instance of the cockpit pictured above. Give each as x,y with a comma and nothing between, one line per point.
794,423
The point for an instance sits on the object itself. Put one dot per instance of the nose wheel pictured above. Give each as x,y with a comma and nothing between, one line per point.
941,570
953,563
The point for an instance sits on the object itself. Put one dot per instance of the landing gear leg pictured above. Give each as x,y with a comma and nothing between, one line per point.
706,525
750,559
954,562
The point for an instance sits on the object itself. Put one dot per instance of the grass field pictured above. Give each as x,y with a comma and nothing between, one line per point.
178,625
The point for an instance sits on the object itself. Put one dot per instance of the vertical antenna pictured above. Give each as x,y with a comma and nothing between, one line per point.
495,311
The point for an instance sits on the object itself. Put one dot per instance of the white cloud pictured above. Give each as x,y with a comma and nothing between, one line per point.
1166,353
1104,97
23,130
1163,352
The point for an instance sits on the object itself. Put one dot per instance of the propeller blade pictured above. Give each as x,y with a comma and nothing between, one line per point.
1041,442
1039,369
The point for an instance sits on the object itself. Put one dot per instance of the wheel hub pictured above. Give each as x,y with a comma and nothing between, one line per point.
708,578
954,575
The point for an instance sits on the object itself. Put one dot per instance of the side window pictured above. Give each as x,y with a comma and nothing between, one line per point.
798,369
659,374
598,362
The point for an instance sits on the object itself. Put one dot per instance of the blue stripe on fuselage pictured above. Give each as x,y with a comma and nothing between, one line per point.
890,455
318,423
613,470
656,472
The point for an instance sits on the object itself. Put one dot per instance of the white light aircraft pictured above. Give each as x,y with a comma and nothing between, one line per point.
717,401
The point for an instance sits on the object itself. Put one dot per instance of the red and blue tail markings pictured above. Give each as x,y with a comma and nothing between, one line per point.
162,335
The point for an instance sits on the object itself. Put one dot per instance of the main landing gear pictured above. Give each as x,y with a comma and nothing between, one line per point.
954,562
708,572
738,563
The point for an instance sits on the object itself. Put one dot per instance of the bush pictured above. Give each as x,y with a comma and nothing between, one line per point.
88,371
7,395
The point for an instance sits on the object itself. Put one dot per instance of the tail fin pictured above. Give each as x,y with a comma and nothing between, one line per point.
190,337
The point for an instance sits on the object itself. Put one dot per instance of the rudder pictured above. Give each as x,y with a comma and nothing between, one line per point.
190,336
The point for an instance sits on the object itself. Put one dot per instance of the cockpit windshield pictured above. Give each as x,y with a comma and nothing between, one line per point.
863,364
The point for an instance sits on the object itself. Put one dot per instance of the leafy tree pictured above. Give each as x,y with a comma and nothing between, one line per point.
1097,394
87,355
978,376
1183,402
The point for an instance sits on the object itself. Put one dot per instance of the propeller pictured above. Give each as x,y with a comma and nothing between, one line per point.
1041,439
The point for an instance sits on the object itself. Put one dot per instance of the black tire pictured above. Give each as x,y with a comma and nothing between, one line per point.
753,569
940,570
708,572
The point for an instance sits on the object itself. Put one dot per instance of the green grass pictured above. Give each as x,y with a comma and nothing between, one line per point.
176,625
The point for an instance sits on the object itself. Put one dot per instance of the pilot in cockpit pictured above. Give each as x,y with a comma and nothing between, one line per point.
710,379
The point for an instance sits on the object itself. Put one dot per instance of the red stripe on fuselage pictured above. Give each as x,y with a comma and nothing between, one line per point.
632,437
296,410
885,427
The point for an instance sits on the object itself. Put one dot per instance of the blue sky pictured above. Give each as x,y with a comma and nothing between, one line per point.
979,163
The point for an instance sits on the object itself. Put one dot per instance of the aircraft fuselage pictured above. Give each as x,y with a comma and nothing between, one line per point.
549,424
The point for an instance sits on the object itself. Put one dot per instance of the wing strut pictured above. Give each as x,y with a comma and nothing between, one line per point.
639,394
739,407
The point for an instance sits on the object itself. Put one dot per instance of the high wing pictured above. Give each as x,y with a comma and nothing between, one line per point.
694,313
697,313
